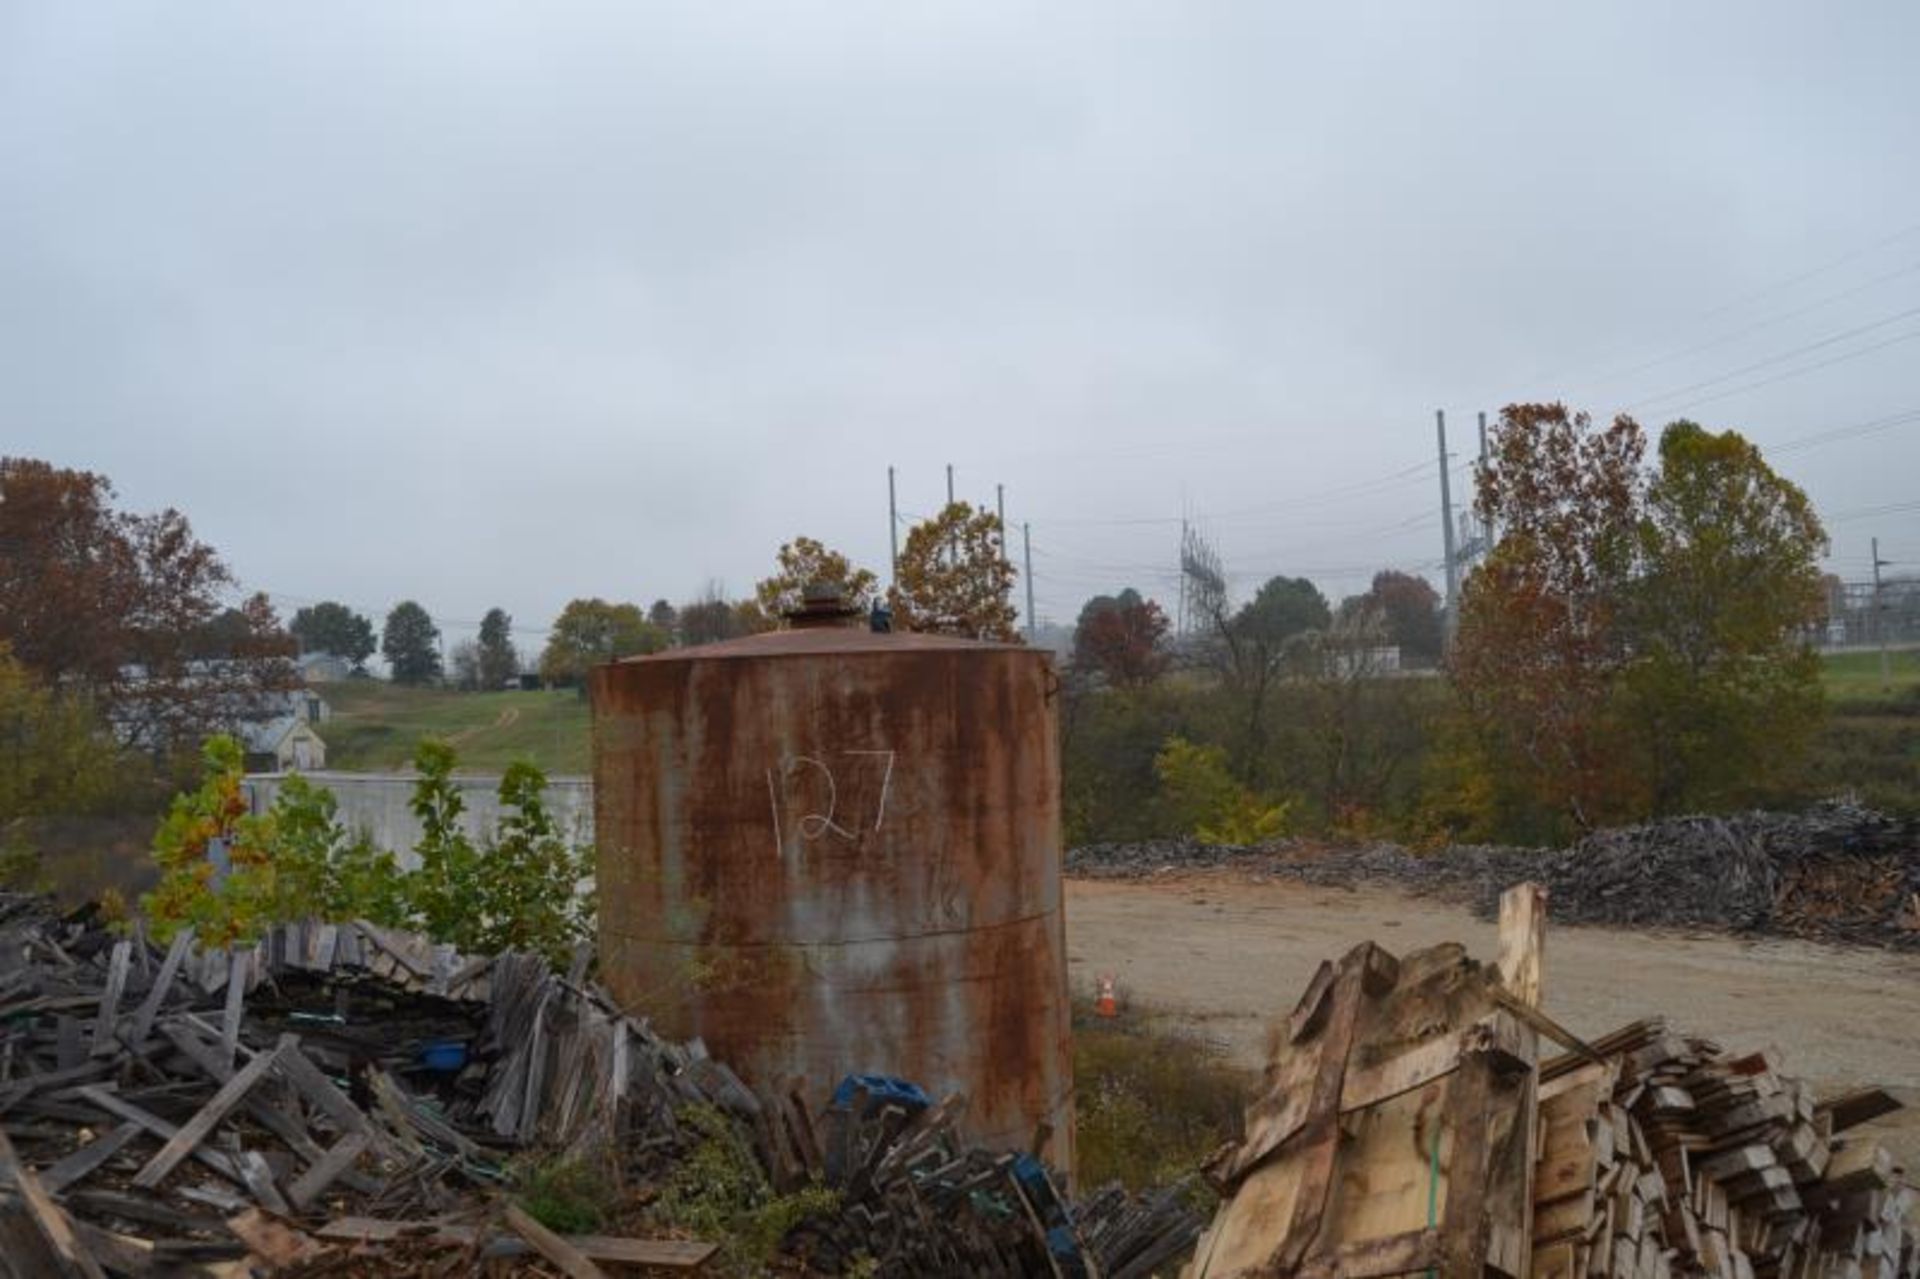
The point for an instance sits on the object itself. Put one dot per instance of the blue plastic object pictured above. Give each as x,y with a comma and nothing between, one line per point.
444,1056
881,1090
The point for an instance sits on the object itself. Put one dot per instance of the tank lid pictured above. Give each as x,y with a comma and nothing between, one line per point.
827,640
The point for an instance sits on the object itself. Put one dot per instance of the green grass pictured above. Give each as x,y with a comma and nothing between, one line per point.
1855,677
375,726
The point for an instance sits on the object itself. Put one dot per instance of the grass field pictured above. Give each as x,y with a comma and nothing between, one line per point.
1855,677
375,726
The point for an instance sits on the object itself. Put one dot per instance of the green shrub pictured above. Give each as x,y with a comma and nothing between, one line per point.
1209,802
297,861
719,1193
567,1195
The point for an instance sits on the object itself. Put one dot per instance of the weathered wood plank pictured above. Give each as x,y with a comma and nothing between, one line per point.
104,1041
68,1251
572,1262
239,962
673,1254
83,1162
195,1130
157,997
326,1170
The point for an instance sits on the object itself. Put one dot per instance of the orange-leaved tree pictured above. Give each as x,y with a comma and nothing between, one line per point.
804,562
954,578
1542,636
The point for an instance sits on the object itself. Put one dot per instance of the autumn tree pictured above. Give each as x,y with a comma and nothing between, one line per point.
589,632
804,562
411,644
497,661
1122,638
709,620
1541,640
123,609
1723,692
953,579
1408,614
331,627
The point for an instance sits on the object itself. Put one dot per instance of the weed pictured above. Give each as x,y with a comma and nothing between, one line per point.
570,1196
719,1193
1151,1105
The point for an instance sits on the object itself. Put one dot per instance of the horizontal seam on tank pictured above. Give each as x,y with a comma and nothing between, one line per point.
841,941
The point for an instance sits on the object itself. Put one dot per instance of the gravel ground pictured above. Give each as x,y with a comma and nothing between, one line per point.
1225,948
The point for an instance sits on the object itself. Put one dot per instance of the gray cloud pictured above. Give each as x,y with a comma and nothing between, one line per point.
488,304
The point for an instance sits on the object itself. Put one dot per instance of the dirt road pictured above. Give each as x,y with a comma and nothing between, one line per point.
1224,953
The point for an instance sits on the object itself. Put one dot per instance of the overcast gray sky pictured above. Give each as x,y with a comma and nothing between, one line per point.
481,304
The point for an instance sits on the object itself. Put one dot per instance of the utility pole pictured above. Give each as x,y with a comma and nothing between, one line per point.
949,484
1486,525
1026,539
1880,618
1446,521
1000,512
893,529
1180,622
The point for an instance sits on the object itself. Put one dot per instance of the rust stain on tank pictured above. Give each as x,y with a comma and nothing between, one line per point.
829,852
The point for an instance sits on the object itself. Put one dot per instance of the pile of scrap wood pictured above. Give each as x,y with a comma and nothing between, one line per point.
1663,1155
1837,872
1409,1126
349,1100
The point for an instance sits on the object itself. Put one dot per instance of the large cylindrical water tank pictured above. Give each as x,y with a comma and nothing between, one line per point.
831,852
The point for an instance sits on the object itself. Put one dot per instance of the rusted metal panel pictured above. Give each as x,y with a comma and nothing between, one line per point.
829,852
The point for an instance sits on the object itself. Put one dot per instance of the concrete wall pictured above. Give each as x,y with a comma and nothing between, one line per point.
377,803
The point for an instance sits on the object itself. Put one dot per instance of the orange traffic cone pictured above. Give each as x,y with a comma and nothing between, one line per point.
1106,1005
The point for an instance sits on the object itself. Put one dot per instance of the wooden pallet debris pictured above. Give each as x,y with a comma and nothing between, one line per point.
1644,1154
272,1108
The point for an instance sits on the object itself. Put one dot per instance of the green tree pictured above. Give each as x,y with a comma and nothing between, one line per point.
498,660
330,627
532,875
666,617
954,578
709,620
446,893
589,632
56,757
1253,646
804,562
205,829
1722,694
411,645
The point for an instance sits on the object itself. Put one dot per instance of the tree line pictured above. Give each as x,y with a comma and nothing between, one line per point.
953,579
1634,643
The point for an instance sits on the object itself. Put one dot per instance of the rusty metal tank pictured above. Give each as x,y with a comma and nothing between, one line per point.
828,852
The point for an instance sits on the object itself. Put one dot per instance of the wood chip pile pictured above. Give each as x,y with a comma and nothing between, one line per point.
347,1100
1835,873
1409,1126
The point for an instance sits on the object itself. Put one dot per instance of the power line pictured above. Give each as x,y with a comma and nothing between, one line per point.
1793,373
1767,290
1760,325
1777,358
